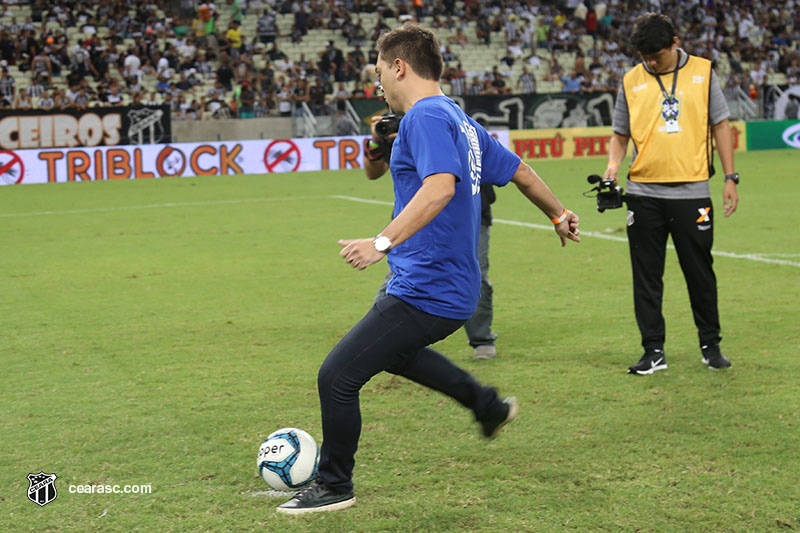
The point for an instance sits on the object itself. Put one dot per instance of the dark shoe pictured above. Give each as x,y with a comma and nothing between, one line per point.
505,414
317,498
651,361
484,351
712,356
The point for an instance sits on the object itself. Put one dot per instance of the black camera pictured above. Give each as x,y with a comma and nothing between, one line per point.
609,196
387,125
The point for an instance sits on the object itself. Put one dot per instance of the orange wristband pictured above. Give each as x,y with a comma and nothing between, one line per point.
560,219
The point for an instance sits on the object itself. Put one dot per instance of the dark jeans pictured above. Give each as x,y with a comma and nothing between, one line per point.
393,336
650,221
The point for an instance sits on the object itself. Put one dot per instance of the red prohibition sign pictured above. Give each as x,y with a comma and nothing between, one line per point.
282,154
6,168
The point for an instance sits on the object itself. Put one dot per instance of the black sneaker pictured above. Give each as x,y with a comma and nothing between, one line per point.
508,412
712,356
651,361
317,498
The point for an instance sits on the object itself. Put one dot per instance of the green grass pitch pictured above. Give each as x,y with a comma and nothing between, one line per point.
155,331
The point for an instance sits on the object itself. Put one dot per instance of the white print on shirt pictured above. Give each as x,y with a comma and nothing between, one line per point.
474,156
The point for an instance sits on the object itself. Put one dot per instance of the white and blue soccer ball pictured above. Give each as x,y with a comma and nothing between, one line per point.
288,459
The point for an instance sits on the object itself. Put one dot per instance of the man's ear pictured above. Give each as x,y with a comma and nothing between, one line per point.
399,66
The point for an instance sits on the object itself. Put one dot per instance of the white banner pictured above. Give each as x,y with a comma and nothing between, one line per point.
185,159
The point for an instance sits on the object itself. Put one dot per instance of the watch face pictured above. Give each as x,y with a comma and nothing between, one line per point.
382,244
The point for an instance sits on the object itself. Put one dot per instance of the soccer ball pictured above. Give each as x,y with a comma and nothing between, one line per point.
288,459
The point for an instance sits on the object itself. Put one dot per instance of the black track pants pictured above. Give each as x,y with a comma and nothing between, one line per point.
691,225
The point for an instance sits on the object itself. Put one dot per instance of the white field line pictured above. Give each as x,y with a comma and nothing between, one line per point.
761,258
273,493
157,206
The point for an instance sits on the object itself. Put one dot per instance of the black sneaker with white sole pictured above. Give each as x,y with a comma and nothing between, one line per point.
505,413
712,356
317,498
651,361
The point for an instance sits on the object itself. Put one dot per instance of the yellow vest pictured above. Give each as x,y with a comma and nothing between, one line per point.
670,157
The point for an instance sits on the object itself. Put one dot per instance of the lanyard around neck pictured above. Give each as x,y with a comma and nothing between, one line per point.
670,97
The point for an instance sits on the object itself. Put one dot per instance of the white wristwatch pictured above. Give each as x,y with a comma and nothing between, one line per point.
382,244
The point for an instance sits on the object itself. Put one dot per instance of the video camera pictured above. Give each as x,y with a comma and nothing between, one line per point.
609,196
387,125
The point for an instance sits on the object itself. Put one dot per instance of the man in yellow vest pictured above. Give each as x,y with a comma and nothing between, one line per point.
671,105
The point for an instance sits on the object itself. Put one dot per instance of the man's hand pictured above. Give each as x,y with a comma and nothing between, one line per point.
730,197
568,228
611,173
360,253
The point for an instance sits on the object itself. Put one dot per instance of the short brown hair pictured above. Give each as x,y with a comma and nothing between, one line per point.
415,45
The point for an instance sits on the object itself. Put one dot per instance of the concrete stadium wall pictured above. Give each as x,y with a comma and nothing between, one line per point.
231,129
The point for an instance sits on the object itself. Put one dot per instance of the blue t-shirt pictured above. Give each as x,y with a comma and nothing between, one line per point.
437,270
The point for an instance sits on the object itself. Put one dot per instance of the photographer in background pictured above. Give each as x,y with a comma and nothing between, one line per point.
670,104
479,327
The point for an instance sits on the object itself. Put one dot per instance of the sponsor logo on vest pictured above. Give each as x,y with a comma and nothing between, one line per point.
640,87
698,79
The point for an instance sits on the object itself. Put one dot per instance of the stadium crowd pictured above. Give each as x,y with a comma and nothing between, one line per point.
197,58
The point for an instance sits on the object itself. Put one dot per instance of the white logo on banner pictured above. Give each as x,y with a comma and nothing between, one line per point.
791,136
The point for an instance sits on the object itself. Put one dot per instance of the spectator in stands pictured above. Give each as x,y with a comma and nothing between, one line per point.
131,64
36,88
301,93
275,53
233,39
267,27
225,74
556,71
300,26
285,101
448,55
344,124
83,97
508,59
458,38
60,101
22,100
247,97
483,31
342,93
476,87
41,67
377,30
572,83
587,84
457,77
316,98
8,86
498,84
526,83
45,101
163,85
81,61
356,57
114,96
8,47
183,83
354,32
152,100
